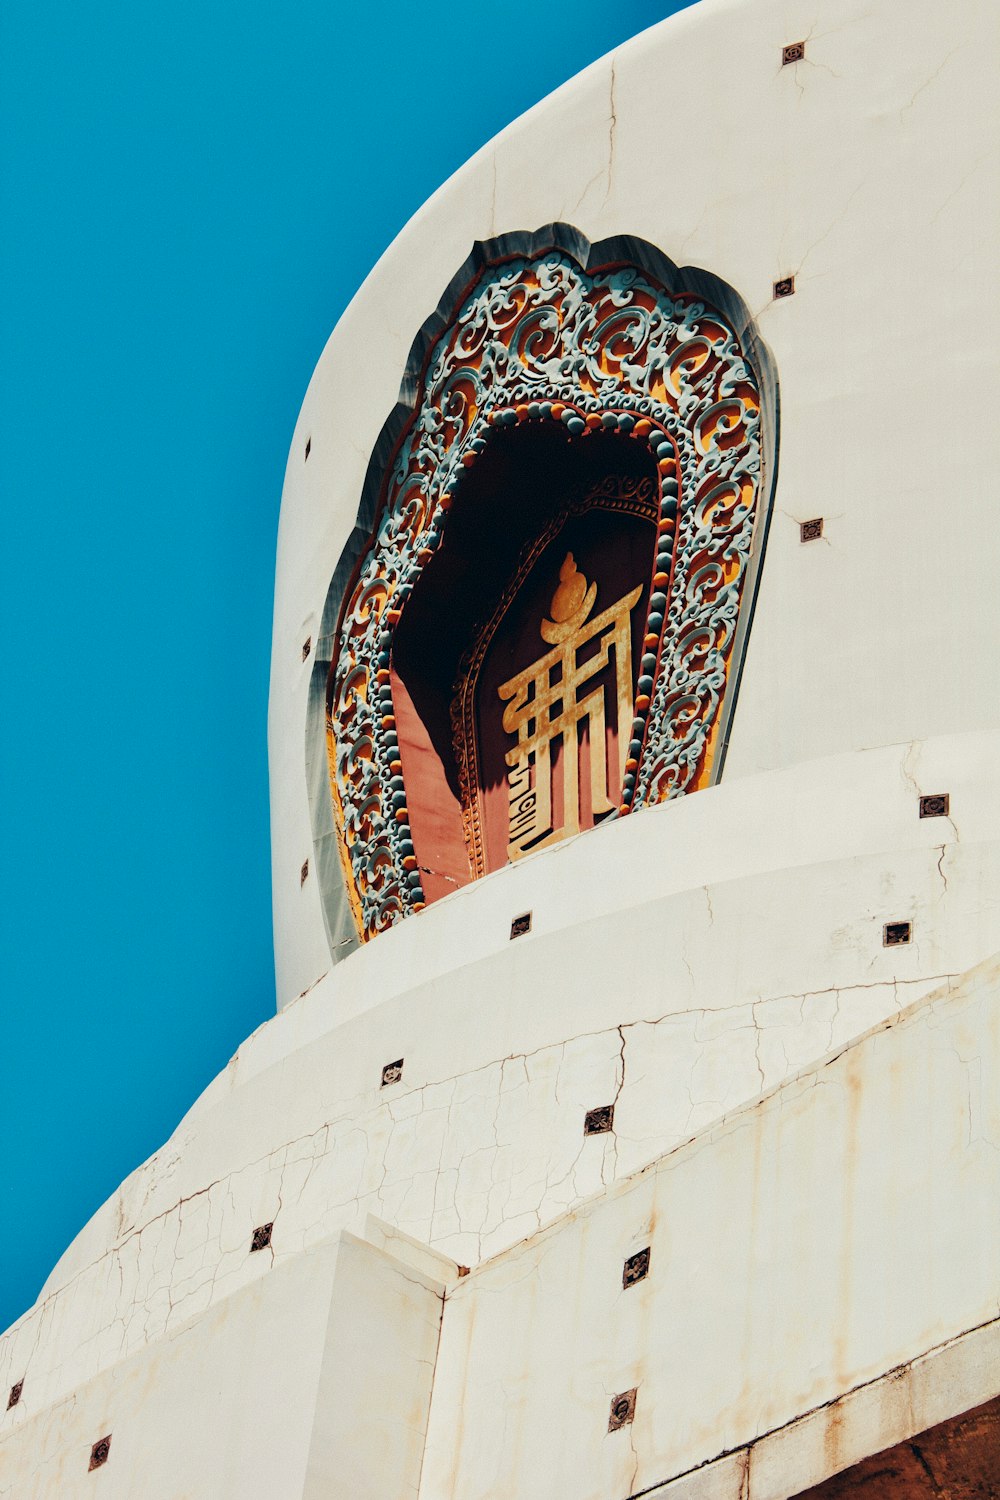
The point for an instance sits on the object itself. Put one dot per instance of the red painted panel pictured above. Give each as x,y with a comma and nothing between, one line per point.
434,808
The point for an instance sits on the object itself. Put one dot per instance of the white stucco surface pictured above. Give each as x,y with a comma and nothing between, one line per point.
822,1284
834,1231
252,1399
821,1208
869,171
676,1010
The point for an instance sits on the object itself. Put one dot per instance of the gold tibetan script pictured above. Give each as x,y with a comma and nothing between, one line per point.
545,703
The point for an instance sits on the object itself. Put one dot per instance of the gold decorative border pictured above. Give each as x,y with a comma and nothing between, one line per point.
615,337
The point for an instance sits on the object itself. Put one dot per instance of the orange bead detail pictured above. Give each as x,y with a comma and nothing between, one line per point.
593,421
643,427
660,580
642,703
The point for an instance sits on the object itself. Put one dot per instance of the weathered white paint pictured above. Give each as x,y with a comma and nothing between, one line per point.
681,963
950,1379
870,171
280,1390
823,1284
679,1010
836,1230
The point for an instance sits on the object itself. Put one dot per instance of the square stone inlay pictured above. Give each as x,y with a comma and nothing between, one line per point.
261,1237
636,1268
599,1121
99,1452
622,1410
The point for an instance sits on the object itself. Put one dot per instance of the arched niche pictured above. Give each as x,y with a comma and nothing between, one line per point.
550,365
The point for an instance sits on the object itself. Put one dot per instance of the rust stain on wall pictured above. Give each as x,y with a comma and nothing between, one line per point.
957,1460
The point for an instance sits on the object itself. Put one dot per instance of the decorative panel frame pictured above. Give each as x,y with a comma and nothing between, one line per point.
545,327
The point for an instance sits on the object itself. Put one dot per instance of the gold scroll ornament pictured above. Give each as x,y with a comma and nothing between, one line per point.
544,703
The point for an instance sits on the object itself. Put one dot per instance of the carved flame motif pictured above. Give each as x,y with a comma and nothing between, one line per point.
571,603
540,339
544,705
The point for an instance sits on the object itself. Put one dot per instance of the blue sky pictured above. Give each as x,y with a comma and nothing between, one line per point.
192,193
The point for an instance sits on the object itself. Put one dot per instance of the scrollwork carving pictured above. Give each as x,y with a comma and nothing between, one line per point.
540,339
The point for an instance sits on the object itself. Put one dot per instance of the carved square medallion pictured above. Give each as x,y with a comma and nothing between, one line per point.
599,1121
636,1268
622,1410
99,1452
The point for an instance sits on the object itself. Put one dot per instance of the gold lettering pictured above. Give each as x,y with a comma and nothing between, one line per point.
544,704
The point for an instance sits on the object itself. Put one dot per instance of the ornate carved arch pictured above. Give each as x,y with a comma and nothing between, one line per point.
613,337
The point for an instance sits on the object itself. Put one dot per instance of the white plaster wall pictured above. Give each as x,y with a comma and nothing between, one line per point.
816,1241
823,1283
870,172
678,1010
683,962
280,1390
948,1380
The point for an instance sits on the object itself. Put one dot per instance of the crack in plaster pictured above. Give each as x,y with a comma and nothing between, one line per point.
978,162
160,1267
928,81
612,129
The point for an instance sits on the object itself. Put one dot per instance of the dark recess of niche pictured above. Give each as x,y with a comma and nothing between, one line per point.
524,477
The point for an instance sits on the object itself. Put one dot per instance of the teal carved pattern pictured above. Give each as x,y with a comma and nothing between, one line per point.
544,338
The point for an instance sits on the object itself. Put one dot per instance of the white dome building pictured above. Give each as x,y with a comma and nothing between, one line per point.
630,1125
